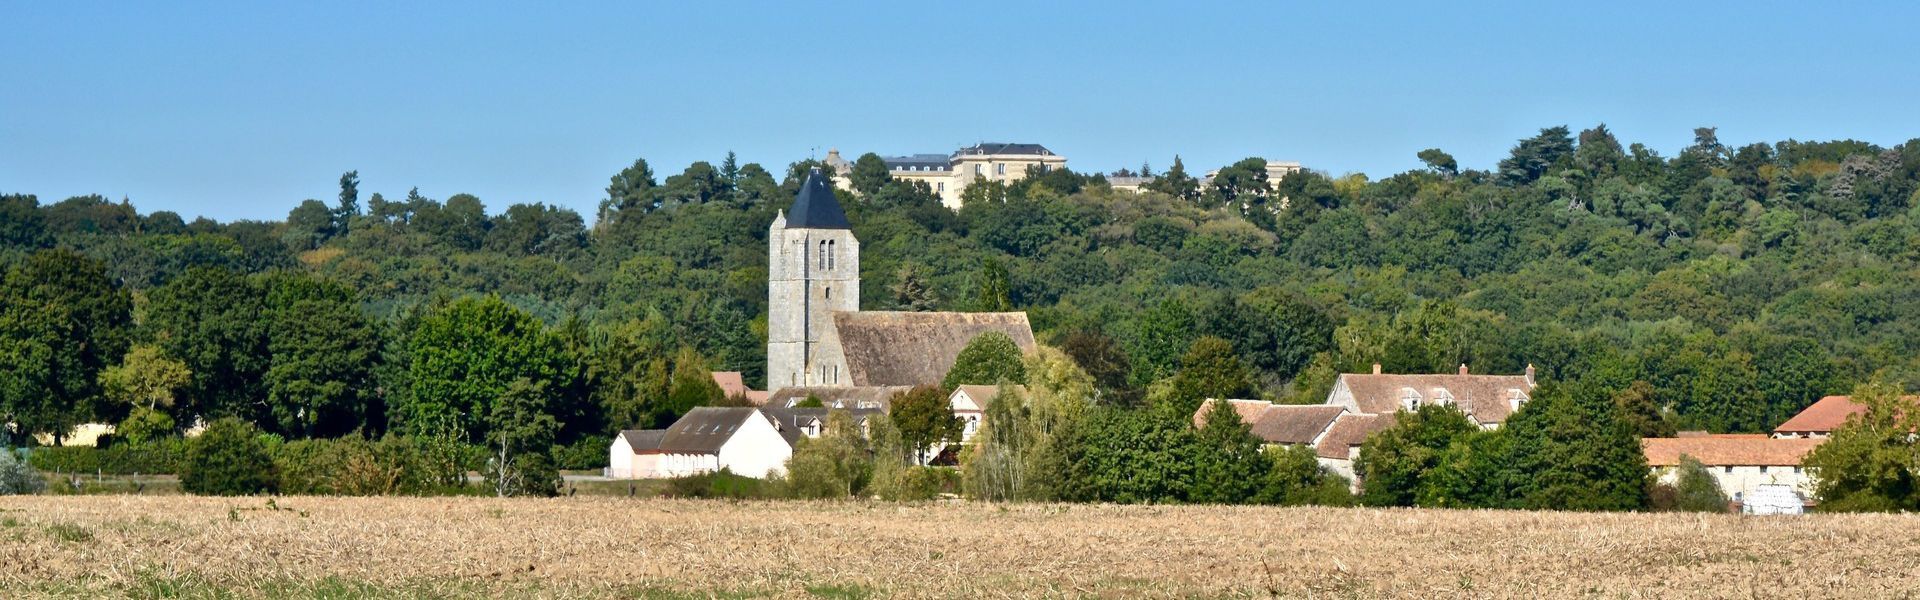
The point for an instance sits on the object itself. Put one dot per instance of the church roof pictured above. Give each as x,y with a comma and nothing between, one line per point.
817,208
917,348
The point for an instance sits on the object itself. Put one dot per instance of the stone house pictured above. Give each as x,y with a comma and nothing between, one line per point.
1740,463
1487,399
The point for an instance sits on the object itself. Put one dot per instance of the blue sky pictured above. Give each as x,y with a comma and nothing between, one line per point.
241,110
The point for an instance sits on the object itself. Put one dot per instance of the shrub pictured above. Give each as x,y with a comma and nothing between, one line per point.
721,484
1697,490
354,466
926,483
145,426
588,454
160,457
17,477
228,459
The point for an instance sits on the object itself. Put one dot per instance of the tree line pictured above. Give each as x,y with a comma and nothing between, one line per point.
1721,288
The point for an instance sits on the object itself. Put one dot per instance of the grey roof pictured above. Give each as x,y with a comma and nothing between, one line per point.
1486,398
817,208
916,348
704,430
848,397
938,162
643,440
991,148
790,421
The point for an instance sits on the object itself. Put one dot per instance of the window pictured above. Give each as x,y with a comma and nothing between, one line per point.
1796,470
822,262
979,169
1000,169
1409,399
830,254
1728,469
1763,468
941,187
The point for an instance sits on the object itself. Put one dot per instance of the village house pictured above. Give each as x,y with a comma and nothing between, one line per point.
878,397
1817,421
1487,399
969,403
743,440
1333,432
1740,463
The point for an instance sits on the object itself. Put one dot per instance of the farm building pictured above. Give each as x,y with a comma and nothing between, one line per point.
1741,463
743,440
1819,420
1488,399
1334,432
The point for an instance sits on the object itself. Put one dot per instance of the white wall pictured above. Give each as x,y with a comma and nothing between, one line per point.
620,459
1738,481
756,450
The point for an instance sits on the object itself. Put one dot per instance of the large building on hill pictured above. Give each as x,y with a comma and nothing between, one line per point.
816,333
950,174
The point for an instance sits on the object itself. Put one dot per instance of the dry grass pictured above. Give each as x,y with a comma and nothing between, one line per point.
617,547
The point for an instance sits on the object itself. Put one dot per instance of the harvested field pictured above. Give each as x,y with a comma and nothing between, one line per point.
178,546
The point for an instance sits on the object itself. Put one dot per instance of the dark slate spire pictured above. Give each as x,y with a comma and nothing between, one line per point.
817,208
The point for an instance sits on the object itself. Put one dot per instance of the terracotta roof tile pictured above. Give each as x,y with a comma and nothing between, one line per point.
1348,432
1292,425
1728,451
1250,411
1823,416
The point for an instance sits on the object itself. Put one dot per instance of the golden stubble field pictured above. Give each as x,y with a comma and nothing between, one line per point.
616,547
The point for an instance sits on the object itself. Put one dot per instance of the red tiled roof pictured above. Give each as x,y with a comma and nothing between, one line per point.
1348,432
1823,416
1728,451
1292,425
1250,411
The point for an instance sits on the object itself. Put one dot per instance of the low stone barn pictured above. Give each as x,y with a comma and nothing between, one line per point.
1740,463
1487,399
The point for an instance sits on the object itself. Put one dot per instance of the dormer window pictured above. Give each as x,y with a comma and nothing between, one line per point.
1441,396
1409,399
1515,398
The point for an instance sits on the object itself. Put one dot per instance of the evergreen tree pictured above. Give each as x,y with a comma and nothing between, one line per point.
993,288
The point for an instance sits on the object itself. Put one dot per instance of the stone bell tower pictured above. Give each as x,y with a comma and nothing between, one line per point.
813,271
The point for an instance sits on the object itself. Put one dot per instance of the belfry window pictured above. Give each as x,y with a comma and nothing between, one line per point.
830,254
822,262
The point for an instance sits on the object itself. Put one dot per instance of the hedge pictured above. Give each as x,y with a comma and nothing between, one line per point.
161,458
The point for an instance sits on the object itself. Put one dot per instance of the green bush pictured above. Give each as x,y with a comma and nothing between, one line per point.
159,457
926,483
721,484
588,454
17,477
228,459
354,466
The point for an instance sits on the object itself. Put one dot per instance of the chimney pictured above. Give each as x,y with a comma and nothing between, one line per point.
1529,373
1463,368
1376,368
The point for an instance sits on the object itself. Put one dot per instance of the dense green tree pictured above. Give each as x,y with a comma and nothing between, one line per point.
228,459
1230,466
988,359
869,174
214,320
520,428
925,421
349,207
837,464
630,189
1396,462
911,291
466,354
324,352
21,223
1869,464
1209,369
1440,162
62,322
1176,182
1696,490
1534,156
993,294
1573,451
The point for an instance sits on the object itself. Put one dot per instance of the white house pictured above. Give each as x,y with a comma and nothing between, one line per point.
1740,463
745,441
969,403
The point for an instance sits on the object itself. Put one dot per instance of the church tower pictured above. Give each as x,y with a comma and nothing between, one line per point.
813,271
